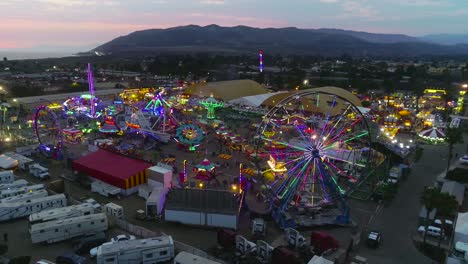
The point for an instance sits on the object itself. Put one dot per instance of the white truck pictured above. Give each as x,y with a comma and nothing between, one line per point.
38,171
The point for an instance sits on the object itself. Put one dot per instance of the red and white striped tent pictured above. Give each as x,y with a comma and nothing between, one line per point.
432,133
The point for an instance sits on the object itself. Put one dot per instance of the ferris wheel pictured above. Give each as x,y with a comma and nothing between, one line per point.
312,149
48,132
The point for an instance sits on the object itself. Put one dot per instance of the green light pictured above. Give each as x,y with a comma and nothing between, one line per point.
358,136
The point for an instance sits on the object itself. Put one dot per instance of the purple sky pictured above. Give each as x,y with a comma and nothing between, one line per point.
77,25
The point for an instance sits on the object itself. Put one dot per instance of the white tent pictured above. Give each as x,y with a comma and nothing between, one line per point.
253,100
7,163
319,260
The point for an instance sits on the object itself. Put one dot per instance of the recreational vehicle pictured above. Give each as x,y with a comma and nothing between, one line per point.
7,176
13,185
25,208
189,258
22,190
62,213
150,250
64,229
25,196
38,171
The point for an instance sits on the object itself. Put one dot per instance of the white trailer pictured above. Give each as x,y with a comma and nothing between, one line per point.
10,211
38,171
160,176
145,251
155,202
62,213
26,150
25,197
59,230
7,176
13,185
104,189
189,258
21,190
114,210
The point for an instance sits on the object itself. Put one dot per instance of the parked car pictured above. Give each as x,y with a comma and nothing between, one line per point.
70,258
122,238
431,231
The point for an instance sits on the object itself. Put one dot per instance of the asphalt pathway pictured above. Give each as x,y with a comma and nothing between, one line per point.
399,220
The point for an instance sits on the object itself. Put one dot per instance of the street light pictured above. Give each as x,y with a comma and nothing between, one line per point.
306,82
465,85
14,99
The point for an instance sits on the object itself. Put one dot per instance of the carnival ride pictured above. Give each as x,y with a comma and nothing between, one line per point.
312,149
161,109
86,105
211,104
48,132
189,136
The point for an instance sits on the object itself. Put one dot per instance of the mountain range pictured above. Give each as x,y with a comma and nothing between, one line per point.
290,40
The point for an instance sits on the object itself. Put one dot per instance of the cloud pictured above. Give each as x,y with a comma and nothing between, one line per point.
355,8
212,2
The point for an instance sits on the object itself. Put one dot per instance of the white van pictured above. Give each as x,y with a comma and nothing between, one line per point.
431,230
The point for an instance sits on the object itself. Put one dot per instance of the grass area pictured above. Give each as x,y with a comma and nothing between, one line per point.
458,175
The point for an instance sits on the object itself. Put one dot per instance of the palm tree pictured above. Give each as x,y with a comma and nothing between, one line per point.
429,200
447,205
453,135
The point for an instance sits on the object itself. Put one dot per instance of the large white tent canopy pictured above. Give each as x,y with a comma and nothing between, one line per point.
253,100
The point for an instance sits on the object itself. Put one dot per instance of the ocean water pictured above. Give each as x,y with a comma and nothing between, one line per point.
27,55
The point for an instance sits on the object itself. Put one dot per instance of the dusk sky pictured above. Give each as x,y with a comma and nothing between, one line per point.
76,24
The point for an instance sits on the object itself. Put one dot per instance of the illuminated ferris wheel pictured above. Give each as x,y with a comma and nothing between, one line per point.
312,148
48,132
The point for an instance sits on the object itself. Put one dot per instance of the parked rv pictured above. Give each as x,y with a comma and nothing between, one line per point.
25,196
38,171
7,176
21,190
10,211
150,250
13,185
60,230
62,213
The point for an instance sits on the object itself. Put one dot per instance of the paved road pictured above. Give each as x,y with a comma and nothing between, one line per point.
398,221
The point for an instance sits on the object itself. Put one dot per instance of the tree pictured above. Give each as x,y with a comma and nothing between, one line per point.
5,59
429,200
453,136
447,205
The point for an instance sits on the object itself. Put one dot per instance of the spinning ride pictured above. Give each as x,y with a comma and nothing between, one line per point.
48,132
211,104
189,136
163,111
312,148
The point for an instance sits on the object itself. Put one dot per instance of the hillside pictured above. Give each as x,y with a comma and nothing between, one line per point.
242,39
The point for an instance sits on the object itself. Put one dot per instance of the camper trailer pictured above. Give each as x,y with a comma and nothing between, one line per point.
7,176
59,230
114,210
10,211
24,197
13,185
62,213
22,190
38,171
149,250
189,258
